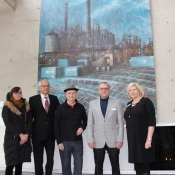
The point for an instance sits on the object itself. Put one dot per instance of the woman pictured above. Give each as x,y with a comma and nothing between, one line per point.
140,124
18,122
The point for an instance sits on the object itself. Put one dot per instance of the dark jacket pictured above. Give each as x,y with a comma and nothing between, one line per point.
17,121
68,120
43,122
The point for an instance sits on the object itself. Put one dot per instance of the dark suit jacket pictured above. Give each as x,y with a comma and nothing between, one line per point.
43,123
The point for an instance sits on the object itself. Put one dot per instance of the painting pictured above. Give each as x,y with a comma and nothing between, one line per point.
86,42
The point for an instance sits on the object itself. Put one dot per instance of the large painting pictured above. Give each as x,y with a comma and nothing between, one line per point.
85,42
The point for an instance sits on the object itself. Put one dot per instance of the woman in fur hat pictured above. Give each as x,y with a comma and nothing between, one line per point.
18,122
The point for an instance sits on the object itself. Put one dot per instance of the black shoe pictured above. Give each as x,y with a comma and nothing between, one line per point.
138,173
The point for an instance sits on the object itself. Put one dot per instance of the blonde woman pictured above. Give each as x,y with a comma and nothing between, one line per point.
140,124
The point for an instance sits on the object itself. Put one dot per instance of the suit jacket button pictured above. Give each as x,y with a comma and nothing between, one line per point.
104,120
46,123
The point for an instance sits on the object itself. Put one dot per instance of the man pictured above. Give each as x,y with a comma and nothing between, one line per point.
43,109
105,129
70,122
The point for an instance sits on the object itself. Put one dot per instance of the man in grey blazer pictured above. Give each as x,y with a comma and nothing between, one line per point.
105,129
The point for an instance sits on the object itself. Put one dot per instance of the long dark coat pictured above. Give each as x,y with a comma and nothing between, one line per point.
16,122
138,119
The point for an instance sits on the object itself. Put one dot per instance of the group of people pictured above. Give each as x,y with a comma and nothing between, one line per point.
43,119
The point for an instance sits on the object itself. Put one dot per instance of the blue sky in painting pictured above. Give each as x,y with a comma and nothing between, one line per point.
121,17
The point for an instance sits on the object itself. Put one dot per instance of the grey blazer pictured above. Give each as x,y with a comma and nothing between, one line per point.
108,129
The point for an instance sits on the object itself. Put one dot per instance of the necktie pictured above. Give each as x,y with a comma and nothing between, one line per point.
46,105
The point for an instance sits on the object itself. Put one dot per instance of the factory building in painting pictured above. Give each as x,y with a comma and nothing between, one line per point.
86,56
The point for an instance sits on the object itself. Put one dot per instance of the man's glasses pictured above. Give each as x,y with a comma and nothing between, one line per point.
105,89
44,86
17,93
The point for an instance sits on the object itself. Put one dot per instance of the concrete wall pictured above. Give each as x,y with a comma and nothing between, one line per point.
19,39
162,12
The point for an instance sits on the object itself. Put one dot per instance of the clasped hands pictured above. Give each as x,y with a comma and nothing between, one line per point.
24,138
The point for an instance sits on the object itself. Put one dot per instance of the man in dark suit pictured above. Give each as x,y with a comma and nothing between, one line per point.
43,108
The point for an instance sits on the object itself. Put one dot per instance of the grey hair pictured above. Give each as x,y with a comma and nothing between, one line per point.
104,83
39,83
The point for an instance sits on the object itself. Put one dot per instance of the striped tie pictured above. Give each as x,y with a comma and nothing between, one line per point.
46,105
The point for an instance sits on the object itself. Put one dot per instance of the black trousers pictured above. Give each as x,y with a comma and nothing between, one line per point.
18,169
74,148
38,151
99,155
142,168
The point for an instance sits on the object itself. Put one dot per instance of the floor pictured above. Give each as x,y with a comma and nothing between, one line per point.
25,173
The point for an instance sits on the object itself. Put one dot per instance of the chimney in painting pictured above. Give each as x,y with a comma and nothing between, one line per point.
66,16
89,17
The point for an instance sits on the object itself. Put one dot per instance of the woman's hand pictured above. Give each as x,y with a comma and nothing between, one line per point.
149,137
24,138
148,144
22,142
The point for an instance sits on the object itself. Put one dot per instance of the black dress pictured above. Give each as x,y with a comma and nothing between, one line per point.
138,119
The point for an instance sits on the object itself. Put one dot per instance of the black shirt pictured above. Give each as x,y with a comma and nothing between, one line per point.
68,120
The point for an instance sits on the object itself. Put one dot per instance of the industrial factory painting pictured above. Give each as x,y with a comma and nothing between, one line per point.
85,42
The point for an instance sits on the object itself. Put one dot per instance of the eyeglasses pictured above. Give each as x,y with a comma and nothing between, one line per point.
17,93
105,89
44,86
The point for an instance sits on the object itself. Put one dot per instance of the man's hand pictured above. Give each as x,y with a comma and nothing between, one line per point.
79,131
61,146
119,145
91,145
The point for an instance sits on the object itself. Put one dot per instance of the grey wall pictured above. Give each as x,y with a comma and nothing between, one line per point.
19,39
163,21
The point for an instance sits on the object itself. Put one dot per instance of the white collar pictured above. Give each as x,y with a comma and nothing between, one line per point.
43,96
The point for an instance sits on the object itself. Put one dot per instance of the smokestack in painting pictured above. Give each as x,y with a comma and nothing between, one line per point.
89,17
66,16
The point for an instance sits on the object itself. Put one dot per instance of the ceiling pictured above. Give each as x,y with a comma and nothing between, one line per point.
4,6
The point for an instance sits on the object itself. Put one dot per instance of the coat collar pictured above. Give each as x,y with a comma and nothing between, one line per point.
14,109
